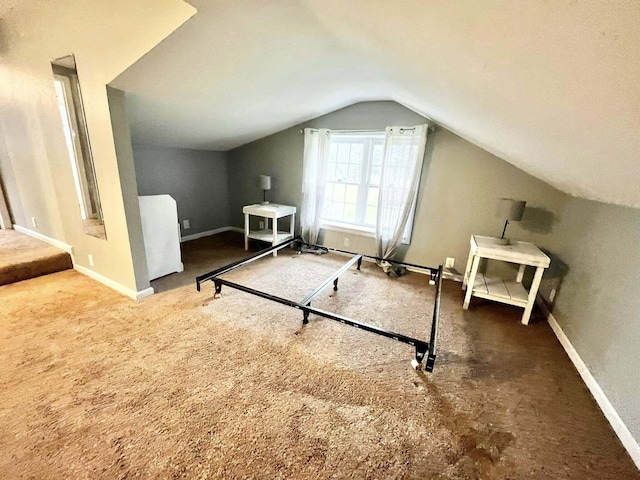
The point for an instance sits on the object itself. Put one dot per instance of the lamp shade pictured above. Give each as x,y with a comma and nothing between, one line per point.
511,210
265,182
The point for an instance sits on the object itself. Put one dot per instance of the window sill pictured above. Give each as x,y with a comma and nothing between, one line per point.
348,228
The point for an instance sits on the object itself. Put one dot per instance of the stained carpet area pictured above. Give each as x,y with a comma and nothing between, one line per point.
182,385
23,257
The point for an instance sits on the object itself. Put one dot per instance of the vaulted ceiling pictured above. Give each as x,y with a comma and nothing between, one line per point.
551,87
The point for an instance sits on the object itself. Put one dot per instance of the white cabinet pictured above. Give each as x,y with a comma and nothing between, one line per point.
161,233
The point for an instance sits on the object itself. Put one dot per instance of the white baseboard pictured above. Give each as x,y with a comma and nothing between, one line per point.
625,436
115,285
44,238
207,233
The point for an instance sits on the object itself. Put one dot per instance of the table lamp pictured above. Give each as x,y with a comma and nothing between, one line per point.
511,211
265,184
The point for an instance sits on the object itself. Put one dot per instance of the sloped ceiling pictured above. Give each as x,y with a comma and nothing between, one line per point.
552,87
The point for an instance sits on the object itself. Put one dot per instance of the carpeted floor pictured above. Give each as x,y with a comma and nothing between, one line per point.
23,257
181,385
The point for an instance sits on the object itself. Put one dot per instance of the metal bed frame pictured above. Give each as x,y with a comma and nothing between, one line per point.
423,348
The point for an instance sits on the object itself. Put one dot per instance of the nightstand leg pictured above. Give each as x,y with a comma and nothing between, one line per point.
467,270
246,231
520,273
532,295
470,282
274,223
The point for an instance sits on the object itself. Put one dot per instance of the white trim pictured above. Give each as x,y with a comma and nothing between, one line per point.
44,238
215,231
115,285
348,228
625,436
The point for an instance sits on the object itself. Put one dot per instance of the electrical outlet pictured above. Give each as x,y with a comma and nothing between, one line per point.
261,225
91,260
186,224
449,262
552,294
34,222
346,241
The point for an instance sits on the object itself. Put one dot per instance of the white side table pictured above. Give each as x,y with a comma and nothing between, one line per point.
273,212
498,289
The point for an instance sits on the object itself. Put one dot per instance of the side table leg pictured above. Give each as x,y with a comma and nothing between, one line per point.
470,282
520,273
467,270
246,231
532,295
274,223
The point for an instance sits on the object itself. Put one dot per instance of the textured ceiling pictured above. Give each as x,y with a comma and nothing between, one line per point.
551,87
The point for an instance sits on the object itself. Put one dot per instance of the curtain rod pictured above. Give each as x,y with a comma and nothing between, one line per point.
431,127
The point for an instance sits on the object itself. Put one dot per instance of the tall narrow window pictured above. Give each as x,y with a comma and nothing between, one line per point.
69,97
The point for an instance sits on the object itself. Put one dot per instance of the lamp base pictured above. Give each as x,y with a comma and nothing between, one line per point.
264,202
503,241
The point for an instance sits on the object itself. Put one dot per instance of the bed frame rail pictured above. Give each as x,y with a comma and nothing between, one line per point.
422,348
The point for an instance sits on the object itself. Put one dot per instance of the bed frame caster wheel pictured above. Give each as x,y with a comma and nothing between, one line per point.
416,365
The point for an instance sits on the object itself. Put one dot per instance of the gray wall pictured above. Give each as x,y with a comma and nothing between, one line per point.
196,179
280,154
595,266
459,189
598,303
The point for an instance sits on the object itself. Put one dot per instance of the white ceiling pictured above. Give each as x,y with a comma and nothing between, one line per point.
552,87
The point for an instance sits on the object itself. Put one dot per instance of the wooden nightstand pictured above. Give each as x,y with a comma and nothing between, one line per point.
273,212
498,289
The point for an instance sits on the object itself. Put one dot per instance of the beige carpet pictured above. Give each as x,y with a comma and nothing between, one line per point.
181,385
23,257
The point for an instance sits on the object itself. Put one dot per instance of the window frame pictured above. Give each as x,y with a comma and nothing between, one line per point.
369,142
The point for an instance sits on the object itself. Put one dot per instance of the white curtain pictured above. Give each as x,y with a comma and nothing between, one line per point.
314,172
403,154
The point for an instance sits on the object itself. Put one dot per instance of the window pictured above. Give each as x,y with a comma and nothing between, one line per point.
76,135
353,175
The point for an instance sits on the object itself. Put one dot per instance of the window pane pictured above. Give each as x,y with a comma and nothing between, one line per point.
331,171
354,174
357,149
349,212
370,216
372,196
338,192
335,211
352,194
376,158
343,152
342,170
333,152
376,173
328,192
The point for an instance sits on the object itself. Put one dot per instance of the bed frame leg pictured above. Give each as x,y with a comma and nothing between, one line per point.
359,263
431,360
416,363
305,317
218,289
335,285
